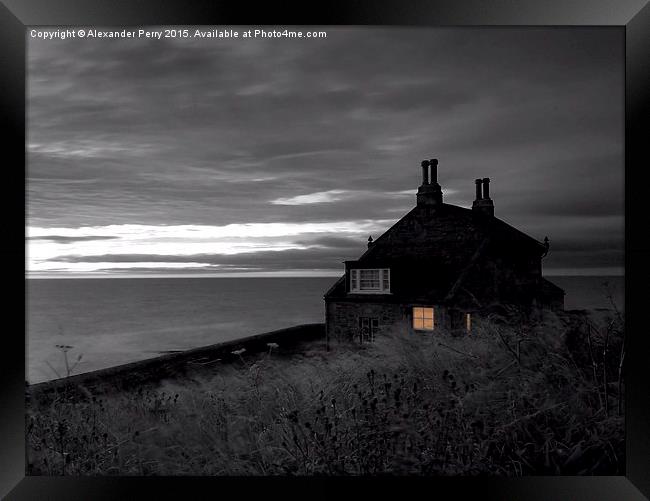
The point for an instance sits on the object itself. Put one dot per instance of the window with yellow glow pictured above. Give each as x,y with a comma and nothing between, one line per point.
423,318
468,322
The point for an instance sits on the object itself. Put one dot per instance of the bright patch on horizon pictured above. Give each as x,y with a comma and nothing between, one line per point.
45,245
84,267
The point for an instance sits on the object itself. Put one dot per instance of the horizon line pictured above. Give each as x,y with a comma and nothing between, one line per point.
333,274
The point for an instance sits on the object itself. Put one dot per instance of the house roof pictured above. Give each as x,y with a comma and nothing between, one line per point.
427,232
443,241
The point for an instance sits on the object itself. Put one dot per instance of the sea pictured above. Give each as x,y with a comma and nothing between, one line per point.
80,325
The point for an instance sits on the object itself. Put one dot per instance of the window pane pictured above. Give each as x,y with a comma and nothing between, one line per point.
369,279
369,284
423,318
386,279
369,274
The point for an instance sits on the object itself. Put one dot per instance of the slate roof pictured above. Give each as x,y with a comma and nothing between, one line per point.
438,246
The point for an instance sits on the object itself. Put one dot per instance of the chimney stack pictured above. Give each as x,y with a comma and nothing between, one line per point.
483,203
429,193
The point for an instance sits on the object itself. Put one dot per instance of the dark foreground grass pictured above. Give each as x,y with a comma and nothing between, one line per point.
537,400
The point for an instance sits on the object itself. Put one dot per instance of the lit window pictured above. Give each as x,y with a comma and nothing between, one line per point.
468,322
423,318
370,280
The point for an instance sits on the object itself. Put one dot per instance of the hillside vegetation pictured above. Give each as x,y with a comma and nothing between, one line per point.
540,399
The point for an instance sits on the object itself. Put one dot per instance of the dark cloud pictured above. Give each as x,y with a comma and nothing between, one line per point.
213,131
332,242
316,258
68,240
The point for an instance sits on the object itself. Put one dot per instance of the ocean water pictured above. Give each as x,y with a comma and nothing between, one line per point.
590,293
114,321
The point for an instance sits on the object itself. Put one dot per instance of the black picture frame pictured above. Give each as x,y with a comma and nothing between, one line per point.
633,16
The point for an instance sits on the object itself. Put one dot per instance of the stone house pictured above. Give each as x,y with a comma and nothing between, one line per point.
439,266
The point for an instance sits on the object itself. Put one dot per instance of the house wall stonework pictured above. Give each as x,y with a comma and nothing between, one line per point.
342,318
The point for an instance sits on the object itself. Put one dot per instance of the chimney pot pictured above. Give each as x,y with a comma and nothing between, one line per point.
425,172
486,187
434,170
478,189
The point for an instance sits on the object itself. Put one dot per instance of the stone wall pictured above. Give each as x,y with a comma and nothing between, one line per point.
204,359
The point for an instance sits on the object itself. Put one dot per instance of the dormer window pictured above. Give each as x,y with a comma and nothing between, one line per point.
374,280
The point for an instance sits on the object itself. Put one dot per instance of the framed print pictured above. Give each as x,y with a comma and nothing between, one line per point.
365,243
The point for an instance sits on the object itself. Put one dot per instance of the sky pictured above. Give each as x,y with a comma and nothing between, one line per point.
281,156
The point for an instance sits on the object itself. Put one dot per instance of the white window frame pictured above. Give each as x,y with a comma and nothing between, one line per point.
384,281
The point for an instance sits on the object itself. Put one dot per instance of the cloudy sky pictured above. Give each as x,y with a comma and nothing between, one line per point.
281,156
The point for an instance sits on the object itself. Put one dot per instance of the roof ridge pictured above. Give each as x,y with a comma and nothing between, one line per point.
517,231
374,243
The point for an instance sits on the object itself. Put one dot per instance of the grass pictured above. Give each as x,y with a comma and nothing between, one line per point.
540,399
